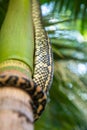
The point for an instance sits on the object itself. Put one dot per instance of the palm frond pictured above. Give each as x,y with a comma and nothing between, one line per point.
74,10
68,94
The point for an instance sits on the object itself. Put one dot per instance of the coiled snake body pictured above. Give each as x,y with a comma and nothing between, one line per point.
43,66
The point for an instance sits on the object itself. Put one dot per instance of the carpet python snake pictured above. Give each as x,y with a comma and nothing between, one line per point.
43,67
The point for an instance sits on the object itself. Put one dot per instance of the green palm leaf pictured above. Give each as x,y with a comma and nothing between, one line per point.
67,32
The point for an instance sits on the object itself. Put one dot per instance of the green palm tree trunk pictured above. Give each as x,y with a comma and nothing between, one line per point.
16,36
16,58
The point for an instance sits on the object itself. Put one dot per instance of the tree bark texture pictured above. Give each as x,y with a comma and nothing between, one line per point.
15,110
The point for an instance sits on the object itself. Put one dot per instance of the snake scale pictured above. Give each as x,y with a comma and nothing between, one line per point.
43,67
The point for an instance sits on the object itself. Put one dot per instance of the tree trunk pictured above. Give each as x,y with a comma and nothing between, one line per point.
16,59
15,110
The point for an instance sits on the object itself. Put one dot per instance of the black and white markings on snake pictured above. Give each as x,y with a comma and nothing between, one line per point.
43,67
37,95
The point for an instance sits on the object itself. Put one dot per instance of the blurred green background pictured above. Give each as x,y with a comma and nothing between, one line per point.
66,24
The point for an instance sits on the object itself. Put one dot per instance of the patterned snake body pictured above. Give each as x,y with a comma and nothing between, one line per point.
43,67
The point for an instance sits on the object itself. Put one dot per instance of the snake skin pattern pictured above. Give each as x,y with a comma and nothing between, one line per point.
43,69
37,88
36,93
